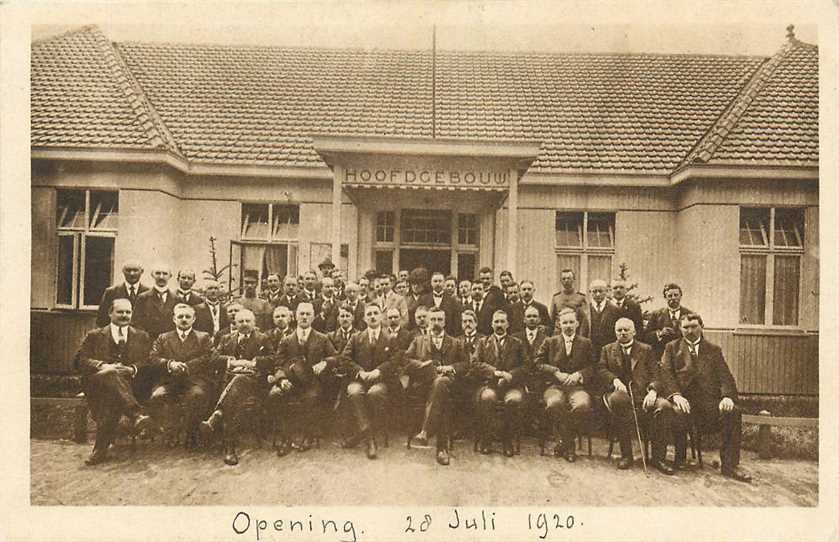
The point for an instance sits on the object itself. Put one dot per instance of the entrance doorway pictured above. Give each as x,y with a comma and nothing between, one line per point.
433,260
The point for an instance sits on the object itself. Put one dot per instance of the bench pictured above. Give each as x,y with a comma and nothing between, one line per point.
765,421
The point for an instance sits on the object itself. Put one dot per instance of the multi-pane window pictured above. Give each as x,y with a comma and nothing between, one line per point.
385,222
467,229
269,221
86,223
426,227
585,243
771,245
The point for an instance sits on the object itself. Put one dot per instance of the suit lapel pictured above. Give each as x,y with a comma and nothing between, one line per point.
633,356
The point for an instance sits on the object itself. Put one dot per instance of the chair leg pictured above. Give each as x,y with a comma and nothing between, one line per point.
589,445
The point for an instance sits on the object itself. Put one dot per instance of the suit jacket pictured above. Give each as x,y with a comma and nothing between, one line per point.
512,357
551,357
602,331
643,365
450,307
632,310
576,301
294,360
195,351
204,319
337,338
360,354
286,301
484,315
422,349
152,316
117,291
326,314
707,378
261,309
193,299
358,316
660,319
412,304
516,312
532,349
272,298
470,348
98,347
257,347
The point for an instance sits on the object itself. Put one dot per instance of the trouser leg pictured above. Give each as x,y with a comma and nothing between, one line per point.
438,400
731,434
660,427
513,399
356,399
623,423
377,402
485,409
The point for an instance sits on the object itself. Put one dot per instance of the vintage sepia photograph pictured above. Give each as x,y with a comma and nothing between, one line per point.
427,263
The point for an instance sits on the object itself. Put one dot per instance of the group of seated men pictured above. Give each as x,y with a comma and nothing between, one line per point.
205,369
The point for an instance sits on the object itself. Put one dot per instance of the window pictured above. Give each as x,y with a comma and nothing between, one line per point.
86,222
384,261
384,226
467,229
426,227
771,245
590,255
270,221
263,259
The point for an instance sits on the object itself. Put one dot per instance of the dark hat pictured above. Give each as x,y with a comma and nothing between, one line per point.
251,274
326,264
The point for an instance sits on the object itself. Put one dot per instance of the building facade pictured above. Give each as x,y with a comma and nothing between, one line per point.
700,170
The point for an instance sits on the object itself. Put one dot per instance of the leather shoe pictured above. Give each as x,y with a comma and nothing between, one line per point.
737,474
687,464
283,448
371,449
141,423
230,456
624,463
508,449
443,456
485,447
420,439
570,454
354,440
96,457
664,468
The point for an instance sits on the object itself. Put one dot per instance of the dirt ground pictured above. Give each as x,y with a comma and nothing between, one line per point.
153,475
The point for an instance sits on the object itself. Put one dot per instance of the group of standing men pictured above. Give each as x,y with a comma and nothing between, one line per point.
162,355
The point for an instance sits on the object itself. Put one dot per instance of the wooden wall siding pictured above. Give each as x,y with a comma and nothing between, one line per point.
536,258
810,275
594,198
54,339
771,364
43,248
739,192
644,241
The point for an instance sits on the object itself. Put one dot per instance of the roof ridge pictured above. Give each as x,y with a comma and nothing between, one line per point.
61,35
144,113
428,51
705,148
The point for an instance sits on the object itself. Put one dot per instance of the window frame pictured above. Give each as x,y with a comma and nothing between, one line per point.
269,237
584,251
770,252
80,235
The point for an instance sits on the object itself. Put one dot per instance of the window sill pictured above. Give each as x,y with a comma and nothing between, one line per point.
770,330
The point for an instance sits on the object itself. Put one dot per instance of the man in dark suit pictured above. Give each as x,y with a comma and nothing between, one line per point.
341,336
439,299
184,293
289,297
249,300
187,389
301,358
130,289
526,300
210,316
533,334
326,307
274,291
482,309
627,307
154,308
370,360
464,293
432,363
282,326
231,309
663,326
603,316
309,292
703,391
627,370
500,362
109,359
565,361
493,295
247,358
396,331
417,284
470,336
355,304
570,297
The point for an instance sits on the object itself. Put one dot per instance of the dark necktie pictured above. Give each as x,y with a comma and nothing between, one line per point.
627,363
132,294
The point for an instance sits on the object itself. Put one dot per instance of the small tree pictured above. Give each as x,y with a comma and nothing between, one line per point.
216,273
623,274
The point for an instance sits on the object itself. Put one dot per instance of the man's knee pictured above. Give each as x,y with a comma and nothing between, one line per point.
355,390
619,401
442,383
158,396
377,393
513,398
581,403
487,395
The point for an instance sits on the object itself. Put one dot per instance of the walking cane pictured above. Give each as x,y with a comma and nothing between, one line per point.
637,428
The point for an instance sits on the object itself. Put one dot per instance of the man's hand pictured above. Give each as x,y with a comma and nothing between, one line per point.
619,385
178,367
576,378
123,369
561,377
285,384
363,375
319,367
506,376
726,404
375,374
649,400
681,404
445,370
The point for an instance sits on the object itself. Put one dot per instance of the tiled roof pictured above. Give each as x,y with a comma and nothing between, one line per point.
261,105
82,96
780,125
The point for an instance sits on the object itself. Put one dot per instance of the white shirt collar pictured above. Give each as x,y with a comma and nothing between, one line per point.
303,334
164,290
567,338
115,332
184,334
136,287
374,333
627,345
